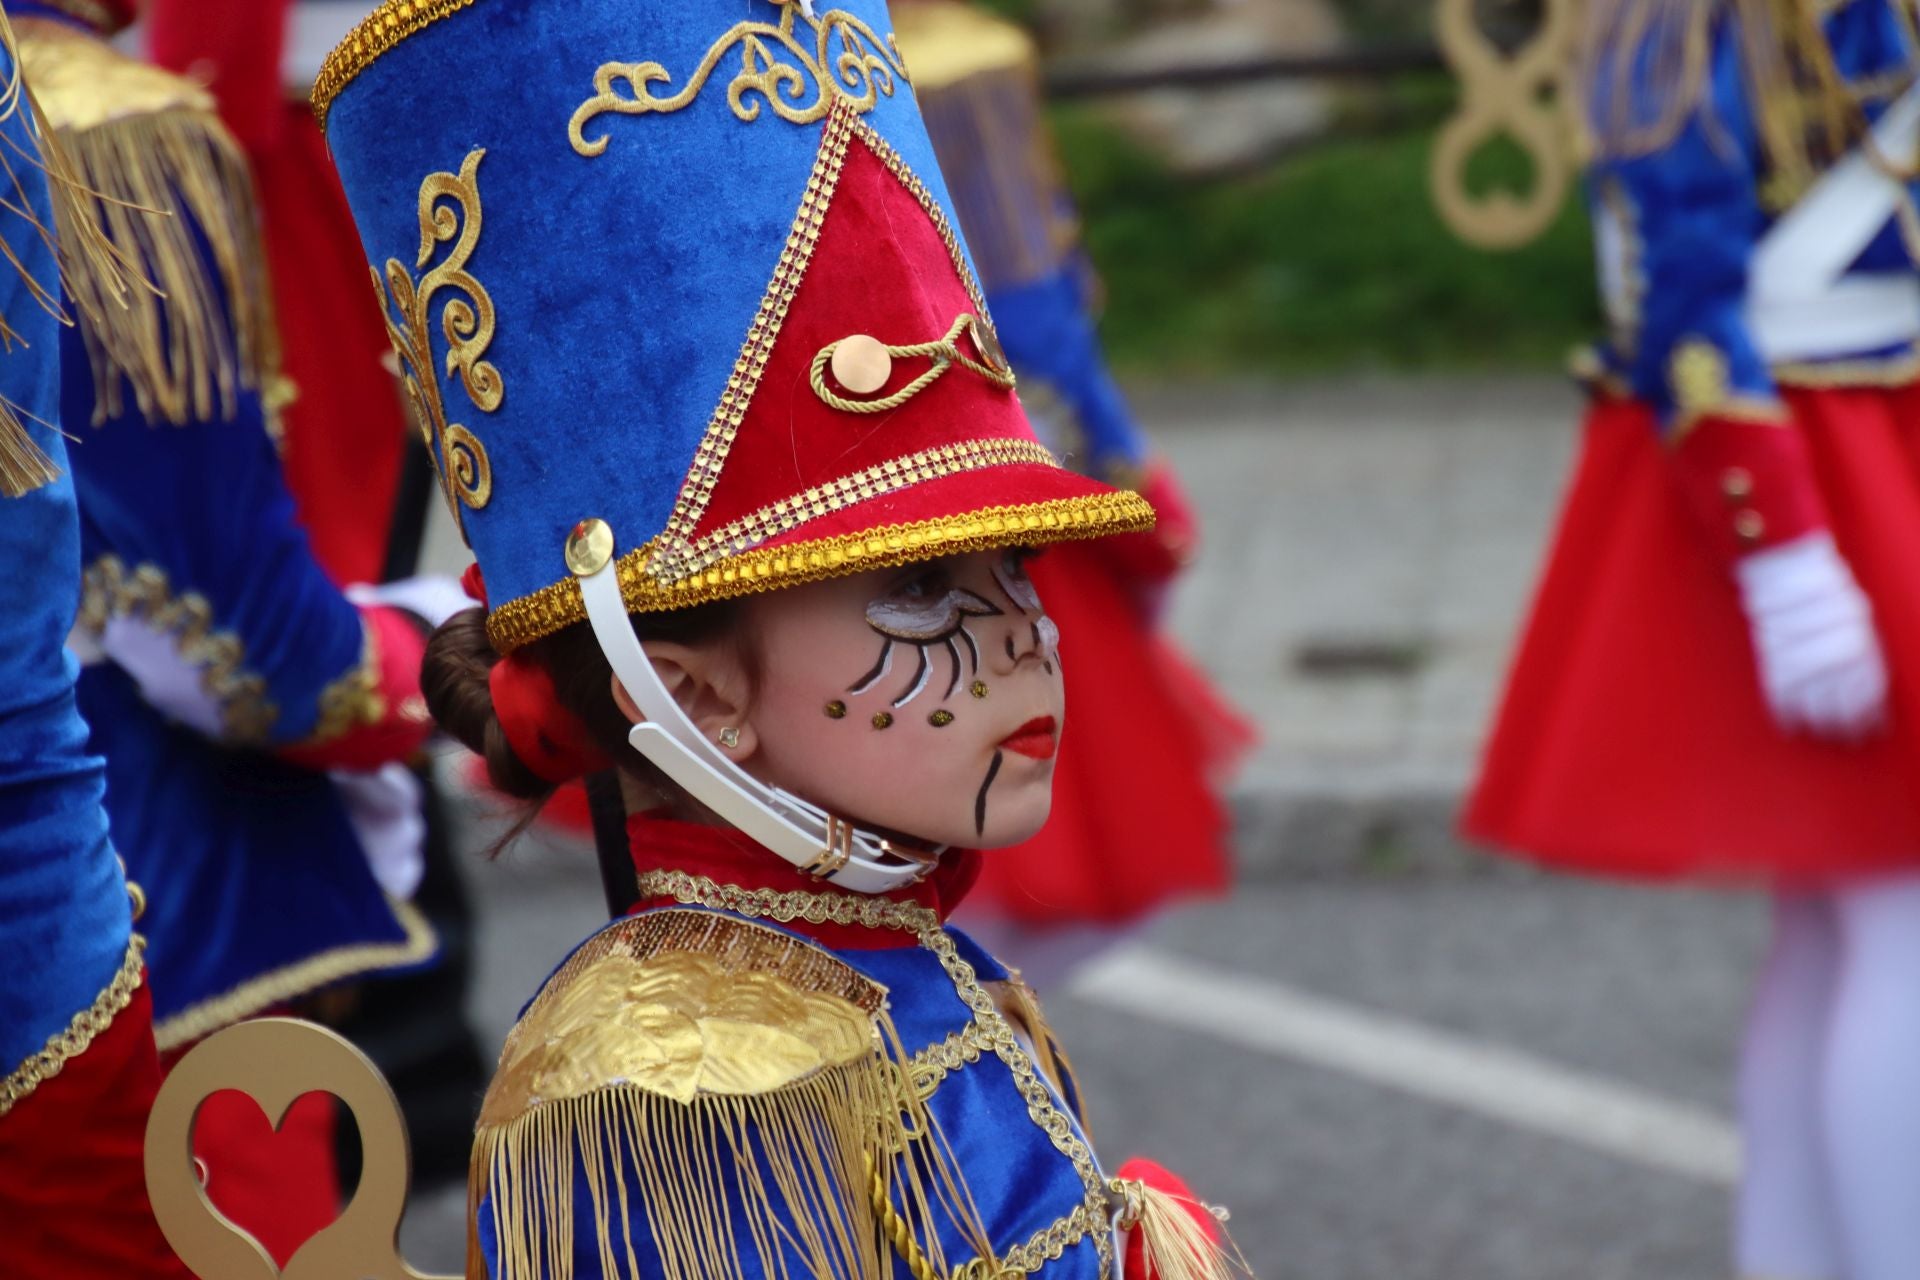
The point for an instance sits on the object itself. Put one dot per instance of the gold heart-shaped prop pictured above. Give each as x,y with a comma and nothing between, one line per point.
274,1061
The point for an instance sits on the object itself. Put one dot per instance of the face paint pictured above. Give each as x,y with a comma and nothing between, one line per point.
913,615
963,768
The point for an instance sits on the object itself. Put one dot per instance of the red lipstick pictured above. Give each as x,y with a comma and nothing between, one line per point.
1037,738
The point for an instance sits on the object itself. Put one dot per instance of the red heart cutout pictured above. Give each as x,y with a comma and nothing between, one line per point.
281,1185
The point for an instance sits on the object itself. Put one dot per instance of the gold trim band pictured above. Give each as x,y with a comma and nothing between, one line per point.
377,33
281,985
551,608
87,1026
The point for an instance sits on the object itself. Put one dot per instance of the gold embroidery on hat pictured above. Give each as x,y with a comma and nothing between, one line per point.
945,353
467,319
862,71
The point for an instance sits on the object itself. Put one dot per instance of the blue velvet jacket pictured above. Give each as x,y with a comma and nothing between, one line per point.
903,1101
65,921
1682,231
213,639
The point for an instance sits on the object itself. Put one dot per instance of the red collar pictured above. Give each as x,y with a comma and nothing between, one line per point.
726,857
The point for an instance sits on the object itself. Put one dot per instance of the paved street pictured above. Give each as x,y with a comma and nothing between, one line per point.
1395,1060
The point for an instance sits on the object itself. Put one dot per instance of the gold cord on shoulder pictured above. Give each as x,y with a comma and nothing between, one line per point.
86,1027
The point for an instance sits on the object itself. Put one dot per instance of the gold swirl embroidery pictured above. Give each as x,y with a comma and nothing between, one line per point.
862,71
466,321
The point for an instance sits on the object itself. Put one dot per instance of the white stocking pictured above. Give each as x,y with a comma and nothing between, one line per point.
1871,1091
1784,1225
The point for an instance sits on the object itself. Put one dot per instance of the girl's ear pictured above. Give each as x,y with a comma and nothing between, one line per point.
711,685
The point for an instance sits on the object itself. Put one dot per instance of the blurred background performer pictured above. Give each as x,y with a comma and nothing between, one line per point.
226,676
361,484
1721,677
76,1031
1137,817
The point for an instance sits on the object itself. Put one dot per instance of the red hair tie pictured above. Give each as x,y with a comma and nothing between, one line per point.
549,739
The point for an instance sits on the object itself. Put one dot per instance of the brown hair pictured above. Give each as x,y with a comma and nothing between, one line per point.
460,658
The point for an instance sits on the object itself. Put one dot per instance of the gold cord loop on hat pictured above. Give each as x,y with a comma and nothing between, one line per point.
944,352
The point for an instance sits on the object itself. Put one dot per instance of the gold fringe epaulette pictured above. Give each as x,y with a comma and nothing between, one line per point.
24,465
730,1091
167,188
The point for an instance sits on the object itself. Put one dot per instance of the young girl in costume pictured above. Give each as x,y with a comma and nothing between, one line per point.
1721,676
722,415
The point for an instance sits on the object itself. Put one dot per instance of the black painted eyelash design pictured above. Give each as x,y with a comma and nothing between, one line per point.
936,623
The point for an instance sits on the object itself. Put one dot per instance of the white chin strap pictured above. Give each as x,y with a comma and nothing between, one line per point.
804,834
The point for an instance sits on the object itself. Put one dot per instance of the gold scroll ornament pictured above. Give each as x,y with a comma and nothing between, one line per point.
466,322
1524,95
274,1061
799,74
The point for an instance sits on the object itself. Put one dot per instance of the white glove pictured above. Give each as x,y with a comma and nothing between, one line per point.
431,597
1821,667
384,808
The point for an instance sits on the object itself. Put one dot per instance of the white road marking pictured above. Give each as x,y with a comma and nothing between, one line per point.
1397,1053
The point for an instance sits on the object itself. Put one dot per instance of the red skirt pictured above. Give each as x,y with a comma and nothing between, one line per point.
1137,820
1634,739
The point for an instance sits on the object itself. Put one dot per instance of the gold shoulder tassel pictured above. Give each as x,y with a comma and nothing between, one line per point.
157,186
1177,1245
737,1091
24,465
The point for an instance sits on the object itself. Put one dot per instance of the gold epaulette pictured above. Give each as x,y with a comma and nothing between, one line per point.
163,184
733,1091
945,43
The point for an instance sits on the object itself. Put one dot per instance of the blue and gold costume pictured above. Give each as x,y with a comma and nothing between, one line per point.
224,672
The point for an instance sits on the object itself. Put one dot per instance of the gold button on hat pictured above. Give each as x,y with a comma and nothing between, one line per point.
861,364
589,547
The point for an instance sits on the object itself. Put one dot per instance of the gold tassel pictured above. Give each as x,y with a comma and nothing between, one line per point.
152,184
1177,1246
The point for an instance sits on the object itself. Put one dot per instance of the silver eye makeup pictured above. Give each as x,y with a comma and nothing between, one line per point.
929,614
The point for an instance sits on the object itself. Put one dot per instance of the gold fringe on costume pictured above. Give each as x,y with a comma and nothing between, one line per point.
166,188
24,465
739,1090
1176,1245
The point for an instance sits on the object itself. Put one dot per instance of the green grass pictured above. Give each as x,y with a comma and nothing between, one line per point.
1332,260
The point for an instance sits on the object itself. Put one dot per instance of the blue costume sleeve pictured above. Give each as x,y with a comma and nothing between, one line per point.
1689,215
64,915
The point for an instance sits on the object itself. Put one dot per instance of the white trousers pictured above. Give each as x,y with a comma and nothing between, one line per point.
1829,1089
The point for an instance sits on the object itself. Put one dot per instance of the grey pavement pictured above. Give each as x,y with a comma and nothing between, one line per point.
1370,548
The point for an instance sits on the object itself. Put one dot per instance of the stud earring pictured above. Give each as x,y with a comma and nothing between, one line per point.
979,689
729,737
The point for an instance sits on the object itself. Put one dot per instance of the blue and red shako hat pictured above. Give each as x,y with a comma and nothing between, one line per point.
686,268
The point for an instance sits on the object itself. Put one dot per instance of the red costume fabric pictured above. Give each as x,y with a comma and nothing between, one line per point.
73,1191
1634,739
346,427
